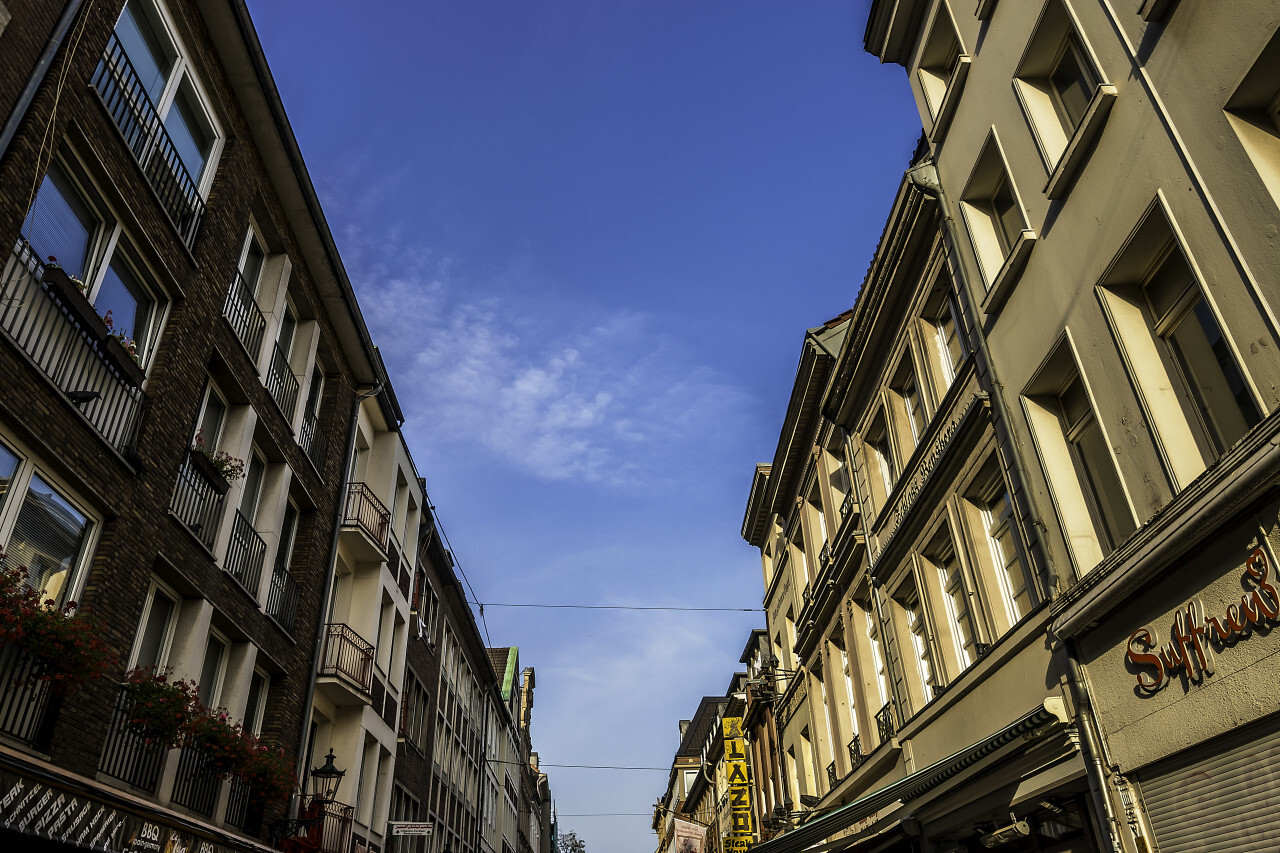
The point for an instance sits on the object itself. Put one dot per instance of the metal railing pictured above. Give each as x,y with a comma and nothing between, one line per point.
67,346
824,555
855,753
126,755
282,598
312,440
282,385
125,97
365,511
832,778
332,834
347,653
886,725
198,780
24,700
239,797
846,506
197,501
244,315
245,553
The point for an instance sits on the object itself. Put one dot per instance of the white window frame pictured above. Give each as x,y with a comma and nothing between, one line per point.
999,262
29,466
166,645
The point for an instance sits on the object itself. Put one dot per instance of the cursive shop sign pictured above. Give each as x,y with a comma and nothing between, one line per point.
1194,638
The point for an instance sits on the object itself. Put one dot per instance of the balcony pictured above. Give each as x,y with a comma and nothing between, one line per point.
365,524
855,753
126,755
197,498
243,812
331,834
27,709
282,385
125,97
244,315
282,598
312,440
198,781
886,725
832,778
46,317
346,667
245,553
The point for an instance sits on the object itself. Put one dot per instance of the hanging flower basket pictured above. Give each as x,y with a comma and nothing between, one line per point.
68,294
161,708
269,772
222,742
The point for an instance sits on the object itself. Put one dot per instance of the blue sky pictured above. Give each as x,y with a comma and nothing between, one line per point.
588,236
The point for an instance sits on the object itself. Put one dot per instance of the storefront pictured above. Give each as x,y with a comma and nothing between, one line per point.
1179,644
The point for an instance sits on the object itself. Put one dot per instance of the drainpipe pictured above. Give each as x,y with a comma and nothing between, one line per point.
328,589
37,76
1091,751
924,176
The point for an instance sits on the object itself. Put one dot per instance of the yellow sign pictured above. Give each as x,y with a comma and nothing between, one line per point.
738,777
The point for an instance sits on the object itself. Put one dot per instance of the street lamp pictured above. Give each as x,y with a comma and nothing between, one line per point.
325,780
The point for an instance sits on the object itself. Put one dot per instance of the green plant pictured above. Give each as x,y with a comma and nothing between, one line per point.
221,740
161,709
64,647
230,467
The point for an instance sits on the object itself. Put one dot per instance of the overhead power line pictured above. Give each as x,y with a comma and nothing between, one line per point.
624,607
581,766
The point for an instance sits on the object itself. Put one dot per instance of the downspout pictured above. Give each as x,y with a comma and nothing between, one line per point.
37,76
924,177
308,703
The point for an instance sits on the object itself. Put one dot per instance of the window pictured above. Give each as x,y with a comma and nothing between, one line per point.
161,66
941,553
881,458
414,726
942,70
909,601
209,688
89,244
997,522
995,220
1097,473
252,487
1062,94
159,618
1187,375
256,704
43,529
1253,112
213,414
940,321
908,391
877,656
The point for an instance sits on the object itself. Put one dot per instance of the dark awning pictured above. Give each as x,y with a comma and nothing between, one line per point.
908,788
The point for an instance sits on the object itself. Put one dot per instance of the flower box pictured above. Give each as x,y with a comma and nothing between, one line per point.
118,357
205,466
65,293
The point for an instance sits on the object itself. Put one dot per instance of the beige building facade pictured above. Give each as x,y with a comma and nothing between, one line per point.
1109,171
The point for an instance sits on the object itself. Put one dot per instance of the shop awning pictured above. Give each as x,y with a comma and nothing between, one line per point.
908,788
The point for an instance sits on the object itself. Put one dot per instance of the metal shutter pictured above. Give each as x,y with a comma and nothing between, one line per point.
1219,797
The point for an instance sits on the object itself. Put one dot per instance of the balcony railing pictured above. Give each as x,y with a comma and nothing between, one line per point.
332,834
244,315
197,500
26,710
347,653
846,506
125,97
832,778
245,553
282,385
886,725
197,783
312,440
855,753
62,334
282,598
365,511
126,755
239,799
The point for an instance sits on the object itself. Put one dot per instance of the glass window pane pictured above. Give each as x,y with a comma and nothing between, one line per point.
126,300
211,419
47,539
1103,485
211,672
1216,382
60,224
151,646
287,326
1008,217
8,465
252,487
998,516
190,134
251,270
254,705
1072,85
151,57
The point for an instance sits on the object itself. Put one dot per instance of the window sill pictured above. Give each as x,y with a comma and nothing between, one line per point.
1010,270
1095,116
950,99
985,9
1154,10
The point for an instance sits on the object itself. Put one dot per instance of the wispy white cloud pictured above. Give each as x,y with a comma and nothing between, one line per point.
560,391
